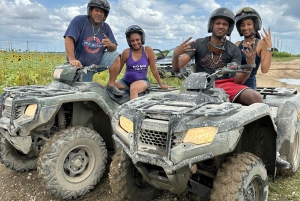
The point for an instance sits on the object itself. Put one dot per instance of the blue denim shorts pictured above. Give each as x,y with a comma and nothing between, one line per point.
127,84
107,59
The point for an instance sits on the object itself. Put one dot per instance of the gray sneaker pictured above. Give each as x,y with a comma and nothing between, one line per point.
114,90
282,164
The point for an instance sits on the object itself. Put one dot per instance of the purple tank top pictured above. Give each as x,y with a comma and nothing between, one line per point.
136,70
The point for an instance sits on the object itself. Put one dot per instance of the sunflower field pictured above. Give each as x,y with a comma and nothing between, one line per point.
29,68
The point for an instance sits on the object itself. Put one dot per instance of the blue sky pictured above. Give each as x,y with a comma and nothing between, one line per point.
40,24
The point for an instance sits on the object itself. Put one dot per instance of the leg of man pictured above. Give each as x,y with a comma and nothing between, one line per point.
88,77
114,71
248,97
239,93
112,59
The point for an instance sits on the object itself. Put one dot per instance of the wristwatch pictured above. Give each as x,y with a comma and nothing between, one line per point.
270,49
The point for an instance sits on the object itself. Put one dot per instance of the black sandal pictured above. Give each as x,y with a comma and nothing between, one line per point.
114,90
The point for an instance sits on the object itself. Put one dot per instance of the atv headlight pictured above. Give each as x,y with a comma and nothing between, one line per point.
126,124
30,110
202,135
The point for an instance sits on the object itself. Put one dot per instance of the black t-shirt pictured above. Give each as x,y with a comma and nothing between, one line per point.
208,62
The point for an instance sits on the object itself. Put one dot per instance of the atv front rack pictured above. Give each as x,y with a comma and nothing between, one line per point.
40,90
278,91
205,109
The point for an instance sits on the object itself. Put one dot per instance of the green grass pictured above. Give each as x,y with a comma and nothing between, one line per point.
276,59
285,188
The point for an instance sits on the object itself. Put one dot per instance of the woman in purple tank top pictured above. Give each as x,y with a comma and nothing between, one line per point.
137,59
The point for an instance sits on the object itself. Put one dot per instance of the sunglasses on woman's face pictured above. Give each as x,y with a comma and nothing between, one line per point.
244,10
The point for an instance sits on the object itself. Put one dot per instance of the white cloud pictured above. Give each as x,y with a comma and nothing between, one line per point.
166,23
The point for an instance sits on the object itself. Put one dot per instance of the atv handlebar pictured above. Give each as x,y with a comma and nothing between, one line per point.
67,73
232,68
95,68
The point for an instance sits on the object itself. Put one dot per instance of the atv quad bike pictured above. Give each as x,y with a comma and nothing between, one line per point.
198,142
62,129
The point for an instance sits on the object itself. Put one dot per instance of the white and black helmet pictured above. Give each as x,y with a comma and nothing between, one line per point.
135,29
103,4
221,13
247,13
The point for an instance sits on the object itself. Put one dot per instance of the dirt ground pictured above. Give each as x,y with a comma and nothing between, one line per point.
27,186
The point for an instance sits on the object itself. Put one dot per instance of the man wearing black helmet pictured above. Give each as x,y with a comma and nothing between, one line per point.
213,52
89,40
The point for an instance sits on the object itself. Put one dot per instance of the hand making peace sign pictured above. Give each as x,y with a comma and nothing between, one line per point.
184,47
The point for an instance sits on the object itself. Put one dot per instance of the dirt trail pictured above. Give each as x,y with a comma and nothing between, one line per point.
280,70
27,186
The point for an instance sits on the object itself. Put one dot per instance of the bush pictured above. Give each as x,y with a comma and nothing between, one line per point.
281,54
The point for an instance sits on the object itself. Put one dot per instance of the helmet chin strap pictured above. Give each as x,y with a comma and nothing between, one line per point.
223,40
252,35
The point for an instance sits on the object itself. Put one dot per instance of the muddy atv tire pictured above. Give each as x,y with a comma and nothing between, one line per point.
242,177
288,125
14,159
294,154
72,162
126,182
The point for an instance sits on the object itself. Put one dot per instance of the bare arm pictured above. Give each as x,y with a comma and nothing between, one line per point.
70,49
124,57
184,47
151,59
265,55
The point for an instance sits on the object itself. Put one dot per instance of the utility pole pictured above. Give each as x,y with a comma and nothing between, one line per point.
10,45
274,39
280,44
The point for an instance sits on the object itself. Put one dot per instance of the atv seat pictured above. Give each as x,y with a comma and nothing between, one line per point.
126,96
86,86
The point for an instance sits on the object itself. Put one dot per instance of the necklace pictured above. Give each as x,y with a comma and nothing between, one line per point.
96,32
213,58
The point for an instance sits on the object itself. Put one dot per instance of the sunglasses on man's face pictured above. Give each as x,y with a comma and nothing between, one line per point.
244,10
